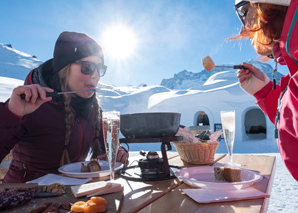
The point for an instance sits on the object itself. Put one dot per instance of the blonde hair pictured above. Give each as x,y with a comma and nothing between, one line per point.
70,116
264,31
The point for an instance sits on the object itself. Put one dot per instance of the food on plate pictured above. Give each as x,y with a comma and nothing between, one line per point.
54,188
94,205
12,198
218,173
227,174
92,166
78,206
99,201
232,174
94,209
84,168
208,64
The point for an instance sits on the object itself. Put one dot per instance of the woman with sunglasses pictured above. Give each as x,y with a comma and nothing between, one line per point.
48,132
272,27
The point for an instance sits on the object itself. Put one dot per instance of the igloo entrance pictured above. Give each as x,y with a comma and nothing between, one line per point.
255,125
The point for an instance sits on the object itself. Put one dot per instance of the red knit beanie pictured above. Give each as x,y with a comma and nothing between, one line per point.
71,46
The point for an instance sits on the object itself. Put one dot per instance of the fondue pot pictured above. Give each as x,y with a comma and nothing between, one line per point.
149,125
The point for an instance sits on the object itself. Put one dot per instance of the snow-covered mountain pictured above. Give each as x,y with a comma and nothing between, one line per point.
187,79
14,63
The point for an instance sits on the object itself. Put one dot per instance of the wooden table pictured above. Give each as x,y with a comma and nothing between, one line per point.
167,196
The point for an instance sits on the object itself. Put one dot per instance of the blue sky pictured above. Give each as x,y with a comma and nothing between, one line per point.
169,35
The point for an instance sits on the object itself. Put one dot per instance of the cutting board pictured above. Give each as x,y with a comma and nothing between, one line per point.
113,199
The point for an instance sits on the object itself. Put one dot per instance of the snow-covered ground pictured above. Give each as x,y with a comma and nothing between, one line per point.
284,194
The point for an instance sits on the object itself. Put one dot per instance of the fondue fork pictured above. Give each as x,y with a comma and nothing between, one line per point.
49,94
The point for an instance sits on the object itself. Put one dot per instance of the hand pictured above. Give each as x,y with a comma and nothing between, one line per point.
35,97
278,55
252,79
122,155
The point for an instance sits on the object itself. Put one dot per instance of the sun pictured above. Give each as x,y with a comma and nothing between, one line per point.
119,41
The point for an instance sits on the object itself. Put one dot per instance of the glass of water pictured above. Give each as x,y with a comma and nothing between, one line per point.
228,127
111,130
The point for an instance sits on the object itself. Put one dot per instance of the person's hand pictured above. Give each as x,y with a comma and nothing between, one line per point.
35,96
278,55
122,155
252,79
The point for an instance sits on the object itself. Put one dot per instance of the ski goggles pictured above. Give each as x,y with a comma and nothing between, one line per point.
88,68
241,15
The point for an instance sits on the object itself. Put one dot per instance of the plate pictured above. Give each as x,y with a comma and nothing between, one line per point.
74,169
203,176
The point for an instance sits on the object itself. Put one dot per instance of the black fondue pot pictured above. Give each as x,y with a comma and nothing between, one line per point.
150,125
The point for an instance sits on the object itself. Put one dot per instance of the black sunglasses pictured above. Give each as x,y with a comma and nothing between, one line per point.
88,68
241,16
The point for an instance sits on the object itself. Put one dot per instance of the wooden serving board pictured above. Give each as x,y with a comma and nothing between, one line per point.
114,201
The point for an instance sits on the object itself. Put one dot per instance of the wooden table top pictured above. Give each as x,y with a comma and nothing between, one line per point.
167,195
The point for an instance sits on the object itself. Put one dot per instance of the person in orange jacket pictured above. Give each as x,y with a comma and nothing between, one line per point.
272,27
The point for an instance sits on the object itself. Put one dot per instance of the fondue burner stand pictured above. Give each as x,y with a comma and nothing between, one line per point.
152,168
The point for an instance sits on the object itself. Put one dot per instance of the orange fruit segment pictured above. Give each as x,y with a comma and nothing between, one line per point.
94,205
78,206
90,203
100,201
94,209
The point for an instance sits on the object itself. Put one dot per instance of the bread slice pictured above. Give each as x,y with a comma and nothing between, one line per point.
227,174
94,166
218,173
208,64
84,168
232,174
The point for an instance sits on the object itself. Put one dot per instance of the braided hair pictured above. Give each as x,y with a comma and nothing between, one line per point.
70,115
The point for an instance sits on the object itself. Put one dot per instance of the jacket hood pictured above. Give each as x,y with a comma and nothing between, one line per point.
44,76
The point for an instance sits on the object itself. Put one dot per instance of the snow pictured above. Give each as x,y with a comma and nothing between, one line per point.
220,91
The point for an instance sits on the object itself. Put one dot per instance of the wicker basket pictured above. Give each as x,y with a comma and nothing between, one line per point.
197,153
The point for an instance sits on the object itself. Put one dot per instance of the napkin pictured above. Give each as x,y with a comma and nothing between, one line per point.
53,178
210,196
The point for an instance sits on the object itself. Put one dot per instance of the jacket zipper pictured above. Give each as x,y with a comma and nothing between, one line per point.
26,172
81,139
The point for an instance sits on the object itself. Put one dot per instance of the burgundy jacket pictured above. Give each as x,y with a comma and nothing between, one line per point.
37,140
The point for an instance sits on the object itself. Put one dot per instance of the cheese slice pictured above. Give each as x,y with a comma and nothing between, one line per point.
89,188
116,187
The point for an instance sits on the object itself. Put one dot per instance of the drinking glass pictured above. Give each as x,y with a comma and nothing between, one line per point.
111,127
228,127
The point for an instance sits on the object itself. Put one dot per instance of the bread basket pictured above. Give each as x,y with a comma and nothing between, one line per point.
197,153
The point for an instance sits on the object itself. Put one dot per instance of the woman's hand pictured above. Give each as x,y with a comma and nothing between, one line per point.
122,155
35,96
252,79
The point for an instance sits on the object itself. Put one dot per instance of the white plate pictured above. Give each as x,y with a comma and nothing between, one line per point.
74,170
203,176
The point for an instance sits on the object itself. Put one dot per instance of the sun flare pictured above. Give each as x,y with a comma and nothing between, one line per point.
119,41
